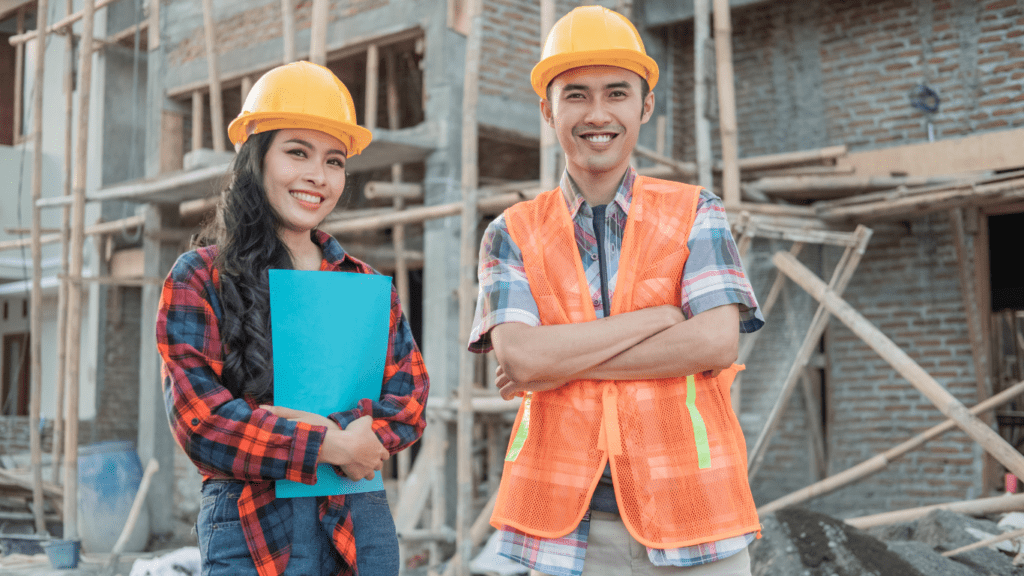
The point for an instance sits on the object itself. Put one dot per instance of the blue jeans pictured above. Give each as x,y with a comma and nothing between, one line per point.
225,553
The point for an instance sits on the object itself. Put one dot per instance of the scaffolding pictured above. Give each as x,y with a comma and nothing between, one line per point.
800,197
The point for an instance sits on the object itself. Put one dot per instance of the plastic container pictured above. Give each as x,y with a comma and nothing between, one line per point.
63,554
109,474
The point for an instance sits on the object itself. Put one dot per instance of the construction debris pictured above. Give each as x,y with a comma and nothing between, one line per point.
797,541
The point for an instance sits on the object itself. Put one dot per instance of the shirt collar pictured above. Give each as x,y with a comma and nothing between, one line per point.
334,254
574,200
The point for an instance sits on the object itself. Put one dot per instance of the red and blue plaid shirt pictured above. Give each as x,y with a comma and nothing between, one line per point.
231,437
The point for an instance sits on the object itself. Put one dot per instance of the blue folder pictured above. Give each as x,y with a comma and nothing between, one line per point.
330,338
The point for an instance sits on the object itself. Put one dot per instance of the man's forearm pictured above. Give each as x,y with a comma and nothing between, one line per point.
557,352
708,341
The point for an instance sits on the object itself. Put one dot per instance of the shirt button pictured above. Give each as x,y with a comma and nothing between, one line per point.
593,256
195,421
596,302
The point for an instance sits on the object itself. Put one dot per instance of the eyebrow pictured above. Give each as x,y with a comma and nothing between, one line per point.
585,88
310,146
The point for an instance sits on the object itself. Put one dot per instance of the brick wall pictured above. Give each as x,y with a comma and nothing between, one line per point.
117,391
907,286
258,24
511,41
839,72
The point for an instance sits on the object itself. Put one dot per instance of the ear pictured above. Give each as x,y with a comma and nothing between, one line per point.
547,113
648,110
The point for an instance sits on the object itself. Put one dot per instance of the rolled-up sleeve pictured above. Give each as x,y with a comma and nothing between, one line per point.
221,434
504,290
714,275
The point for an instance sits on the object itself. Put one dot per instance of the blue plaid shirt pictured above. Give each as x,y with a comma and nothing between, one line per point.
713,276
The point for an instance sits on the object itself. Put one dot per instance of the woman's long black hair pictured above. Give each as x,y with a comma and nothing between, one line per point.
245,229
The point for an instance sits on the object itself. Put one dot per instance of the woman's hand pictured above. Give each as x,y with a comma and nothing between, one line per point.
356,449
363,450
509,388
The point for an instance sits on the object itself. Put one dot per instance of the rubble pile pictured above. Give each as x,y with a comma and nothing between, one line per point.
799,542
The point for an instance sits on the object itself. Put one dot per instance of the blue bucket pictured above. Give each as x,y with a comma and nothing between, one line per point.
109,474
63,554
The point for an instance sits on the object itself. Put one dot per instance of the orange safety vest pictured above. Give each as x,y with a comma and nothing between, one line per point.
677,453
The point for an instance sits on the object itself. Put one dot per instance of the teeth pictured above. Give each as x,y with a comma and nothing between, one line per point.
599,138
306,197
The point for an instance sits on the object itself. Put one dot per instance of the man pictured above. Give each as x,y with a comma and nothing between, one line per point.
614,305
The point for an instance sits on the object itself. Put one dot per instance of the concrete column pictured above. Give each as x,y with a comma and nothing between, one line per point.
155,440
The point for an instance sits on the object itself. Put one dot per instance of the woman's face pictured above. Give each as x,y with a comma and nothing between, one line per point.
304,174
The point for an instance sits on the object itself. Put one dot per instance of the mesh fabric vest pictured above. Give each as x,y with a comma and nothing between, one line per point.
677,453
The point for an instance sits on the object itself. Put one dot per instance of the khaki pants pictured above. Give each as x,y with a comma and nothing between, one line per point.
612,551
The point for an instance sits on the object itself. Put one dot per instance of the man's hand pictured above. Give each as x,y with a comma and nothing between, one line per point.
509,388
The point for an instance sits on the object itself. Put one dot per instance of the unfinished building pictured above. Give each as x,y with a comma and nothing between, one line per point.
902,116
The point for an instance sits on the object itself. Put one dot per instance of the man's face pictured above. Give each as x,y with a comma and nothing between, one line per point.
596,112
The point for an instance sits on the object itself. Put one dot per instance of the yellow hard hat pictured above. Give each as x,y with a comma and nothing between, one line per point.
300,95
592,36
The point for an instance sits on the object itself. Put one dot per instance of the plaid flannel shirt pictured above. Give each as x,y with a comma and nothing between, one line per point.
713,276
230,437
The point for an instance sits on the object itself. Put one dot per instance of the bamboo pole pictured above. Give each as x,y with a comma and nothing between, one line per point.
213,69
197,120
36,320
979,507
467,292
548,141
75,269
288,29
318,33
62,296
372,83
840,279
101,228
975,329
986,542
938,201
684,168
879,462
948,404
19,77
58,25
726,105
398,232
702,127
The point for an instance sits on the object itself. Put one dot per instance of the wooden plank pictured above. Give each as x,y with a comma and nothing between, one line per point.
968,292
213,70
998,150
881,461
36,320
904,365
819,462
727,105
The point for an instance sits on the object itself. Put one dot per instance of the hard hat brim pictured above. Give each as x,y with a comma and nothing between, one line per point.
354,137
547,69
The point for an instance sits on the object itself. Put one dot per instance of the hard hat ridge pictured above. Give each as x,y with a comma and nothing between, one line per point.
592,36
300,95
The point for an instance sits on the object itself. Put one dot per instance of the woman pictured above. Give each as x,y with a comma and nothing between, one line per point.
293,138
